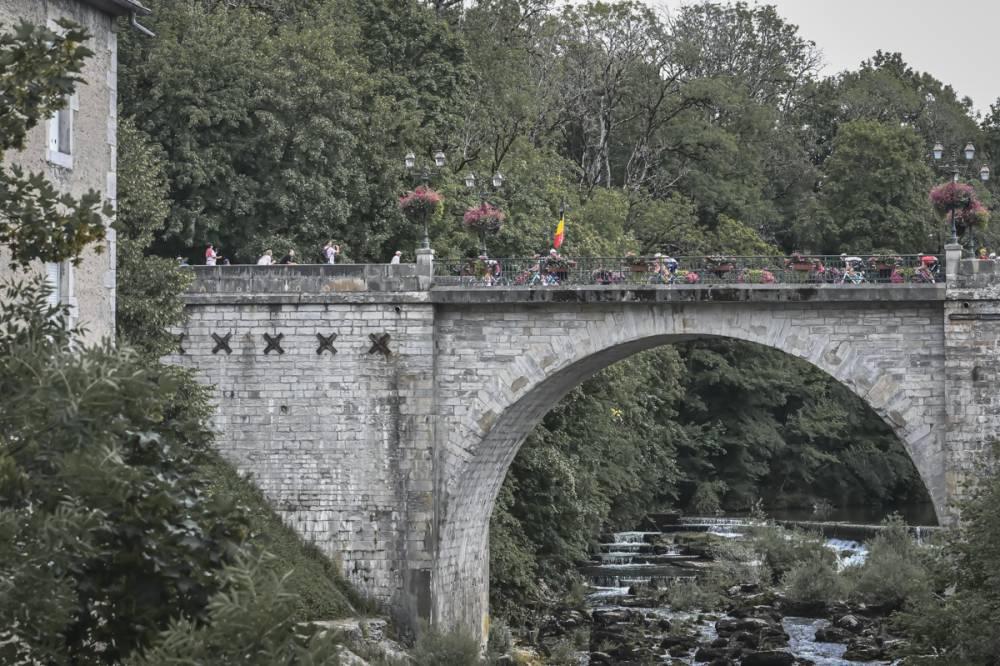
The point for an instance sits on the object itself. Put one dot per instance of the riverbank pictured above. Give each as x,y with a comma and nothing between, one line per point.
726,592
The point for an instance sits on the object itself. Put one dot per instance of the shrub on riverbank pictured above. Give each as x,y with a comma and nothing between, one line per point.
894,572
322,592
783,549
956,620
814,580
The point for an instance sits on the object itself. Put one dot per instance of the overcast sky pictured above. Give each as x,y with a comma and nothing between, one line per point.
951,40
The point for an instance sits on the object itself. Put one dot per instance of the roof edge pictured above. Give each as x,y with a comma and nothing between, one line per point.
119,7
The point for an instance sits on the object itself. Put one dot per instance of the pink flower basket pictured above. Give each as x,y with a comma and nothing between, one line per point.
420,203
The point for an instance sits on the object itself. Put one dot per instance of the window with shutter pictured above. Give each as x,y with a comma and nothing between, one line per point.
60,145
53,275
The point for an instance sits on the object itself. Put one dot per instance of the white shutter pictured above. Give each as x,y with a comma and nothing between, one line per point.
53,275
54,133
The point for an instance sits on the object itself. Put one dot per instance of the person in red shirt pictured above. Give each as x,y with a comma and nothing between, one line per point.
210,255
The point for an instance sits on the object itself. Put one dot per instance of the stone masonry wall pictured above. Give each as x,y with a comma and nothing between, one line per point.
500,367
972,370
338,442
392,463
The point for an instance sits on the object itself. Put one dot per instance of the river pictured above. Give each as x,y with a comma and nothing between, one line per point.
630,560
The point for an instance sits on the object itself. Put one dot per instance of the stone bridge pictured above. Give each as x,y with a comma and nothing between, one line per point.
379,413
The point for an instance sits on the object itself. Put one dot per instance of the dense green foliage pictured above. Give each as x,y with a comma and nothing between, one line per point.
111,541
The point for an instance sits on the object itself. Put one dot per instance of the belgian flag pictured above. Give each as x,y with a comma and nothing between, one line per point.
560,228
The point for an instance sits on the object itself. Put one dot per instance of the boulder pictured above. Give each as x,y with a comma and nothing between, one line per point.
731,625
833,635
853,623
769,658
745,639
707,654
864,649
679,650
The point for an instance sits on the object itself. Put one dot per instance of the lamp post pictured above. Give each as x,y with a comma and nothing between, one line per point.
424,174
958,168
494,184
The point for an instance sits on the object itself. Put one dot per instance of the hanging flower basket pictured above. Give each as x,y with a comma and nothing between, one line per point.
757,276
420,204
952,196
689,277
720,265
976,215
800,262
484,219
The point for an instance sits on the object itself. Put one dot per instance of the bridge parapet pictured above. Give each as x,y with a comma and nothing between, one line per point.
302,283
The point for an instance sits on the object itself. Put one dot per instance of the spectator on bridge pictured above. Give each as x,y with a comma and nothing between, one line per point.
396,257
330,252
266,259
288,258
983,254
210,255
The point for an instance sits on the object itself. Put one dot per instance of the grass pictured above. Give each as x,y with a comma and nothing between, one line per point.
323,592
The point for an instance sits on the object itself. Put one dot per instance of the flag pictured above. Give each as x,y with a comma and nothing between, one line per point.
560,229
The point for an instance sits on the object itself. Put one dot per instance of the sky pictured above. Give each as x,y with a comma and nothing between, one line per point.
929,34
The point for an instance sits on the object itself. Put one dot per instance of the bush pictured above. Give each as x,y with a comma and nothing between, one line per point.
454,648
322,592
783,549
814,580
684,595
894,571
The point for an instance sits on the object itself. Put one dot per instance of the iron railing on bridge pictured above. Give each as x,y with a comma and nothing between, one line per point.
635,270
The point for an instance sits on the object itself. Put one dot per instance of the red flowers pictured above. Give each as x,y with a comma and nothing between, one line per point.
484,218
420,202
960,198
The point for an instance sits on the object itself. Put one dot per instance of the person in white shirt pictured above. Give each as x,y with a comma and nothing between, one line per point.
396,257
330,251
266,259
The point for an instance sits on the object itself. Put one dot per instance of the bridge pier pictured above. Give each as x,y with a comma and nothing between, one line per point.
386,444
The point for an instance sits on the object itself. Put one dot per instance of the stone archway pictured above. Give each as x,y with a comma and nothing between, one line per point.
530,357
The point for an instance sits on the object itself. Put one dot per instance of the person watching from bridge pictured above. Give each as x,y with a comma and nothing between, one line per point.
210,255
266,259
396,257
330,252
288,258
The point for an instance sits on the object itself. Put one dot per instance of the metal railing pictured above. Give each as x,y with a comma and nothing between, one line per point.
710,270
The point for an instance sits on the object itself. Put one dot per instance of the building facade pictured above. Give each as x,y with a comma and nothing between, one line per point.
77,150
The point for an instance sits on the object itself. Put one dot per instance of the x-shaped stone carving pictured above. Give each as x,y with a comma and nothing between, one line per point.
380,344
222,343
326,343
180,343
273,344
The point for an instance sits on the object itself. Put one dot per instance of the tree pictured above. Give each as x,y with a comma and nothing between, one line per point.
107,532
38,71
873,193
148,298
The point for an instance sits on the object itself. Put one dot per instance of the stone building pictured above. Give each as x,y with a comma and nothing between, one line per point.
77,148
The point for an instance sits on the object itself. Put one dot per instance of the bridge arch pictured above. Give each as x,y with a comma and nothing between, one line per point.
531,357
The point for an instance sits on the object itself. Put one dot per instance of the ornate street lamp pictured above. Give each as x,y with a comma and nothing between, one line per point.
957,168
485,219
424,175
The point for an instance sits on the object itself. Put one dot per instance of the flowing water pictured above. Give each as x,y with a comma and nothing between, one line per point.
631,558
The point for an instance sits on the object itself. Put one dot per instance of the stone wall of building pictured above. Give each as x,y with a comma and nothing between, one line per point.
90,287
